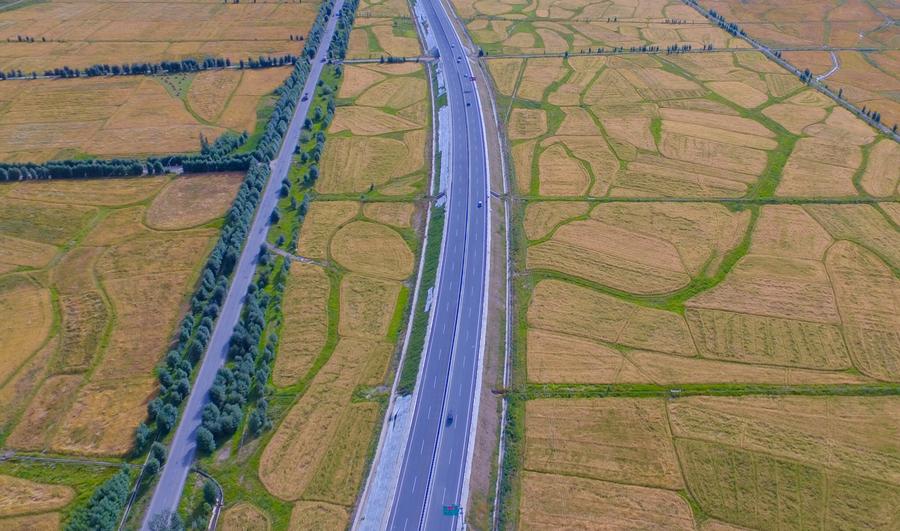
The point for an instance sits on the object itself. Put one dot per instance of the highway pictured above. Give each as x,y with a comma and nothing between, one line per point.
433,469
181,451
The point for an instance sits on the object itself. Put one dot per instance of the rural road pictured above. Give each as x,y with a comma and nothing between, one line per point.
835,62
434,466
181,451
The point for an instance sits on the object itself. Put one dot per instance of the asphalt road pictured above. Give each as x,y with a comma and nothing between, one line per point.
434,463
181,451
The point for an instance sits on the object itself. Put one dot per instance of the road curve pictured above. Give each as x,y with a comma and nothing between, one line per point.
181,451
433,468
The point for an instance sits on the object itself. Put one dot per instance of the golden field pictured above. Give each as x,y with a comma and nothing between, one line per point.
383,29
78,34
815,290
48,119
688,126
561,25
81,343
750,462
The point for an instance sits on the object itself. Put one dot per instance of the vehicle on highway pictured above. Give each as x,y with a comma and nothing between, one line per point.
305,97
449,418
479,204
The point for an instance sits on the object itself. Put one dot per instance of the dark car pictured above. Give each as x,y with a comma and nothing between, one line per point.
449,418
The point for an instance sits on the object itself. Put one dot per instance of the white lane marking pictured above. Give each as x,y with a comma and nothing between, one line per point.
405,522
429,412
422,446
450,458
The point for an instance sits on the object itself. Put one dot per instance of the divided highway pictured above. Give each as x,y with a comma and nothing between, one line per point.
181,452
434,468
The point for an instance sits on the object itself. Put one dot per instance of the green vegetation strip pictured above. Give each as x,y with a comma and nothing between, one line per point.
410,370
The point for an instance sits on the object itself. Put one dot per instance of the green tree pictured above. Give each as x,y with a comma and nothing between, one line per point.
210,492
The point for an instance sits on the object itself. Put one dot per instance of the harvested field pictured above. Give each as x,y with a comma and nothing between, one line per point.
106,117
244,517
394,213
80,34
38,522
867,296
569,309
807,454
374,37
881,177
354,164
21,496
26,316
305,323
641,248
621,440
322,220
372,249
505,73
560,174
97,192
862,224
542,217
662,135
367,305
394,93
190,201
111,269
318,515
527,123
892,211
44,413
795,118
368,121
390,100
297,449
639,294
210,91
341,471
551,501
357,79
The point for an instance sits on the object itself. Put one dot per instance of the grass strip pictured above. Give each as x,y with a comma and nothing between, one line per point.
409,372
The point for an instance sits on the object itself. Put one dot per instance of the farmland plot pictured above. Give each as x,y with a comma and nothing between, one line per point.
755,462
78,369
700,223
107,117
79,34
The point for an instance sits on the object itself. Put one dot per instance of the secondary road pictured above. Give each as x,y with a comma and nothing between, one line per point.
181,452
433,469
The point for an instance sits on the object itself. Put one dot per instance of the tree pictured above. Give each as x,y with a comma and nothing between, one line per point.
210,492
166,418
103,508
158,451
206,443
166,521
151,467
141,438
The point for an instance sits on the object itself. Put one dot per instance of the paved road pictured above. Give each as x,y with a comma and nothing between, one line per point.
181,452
433,468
